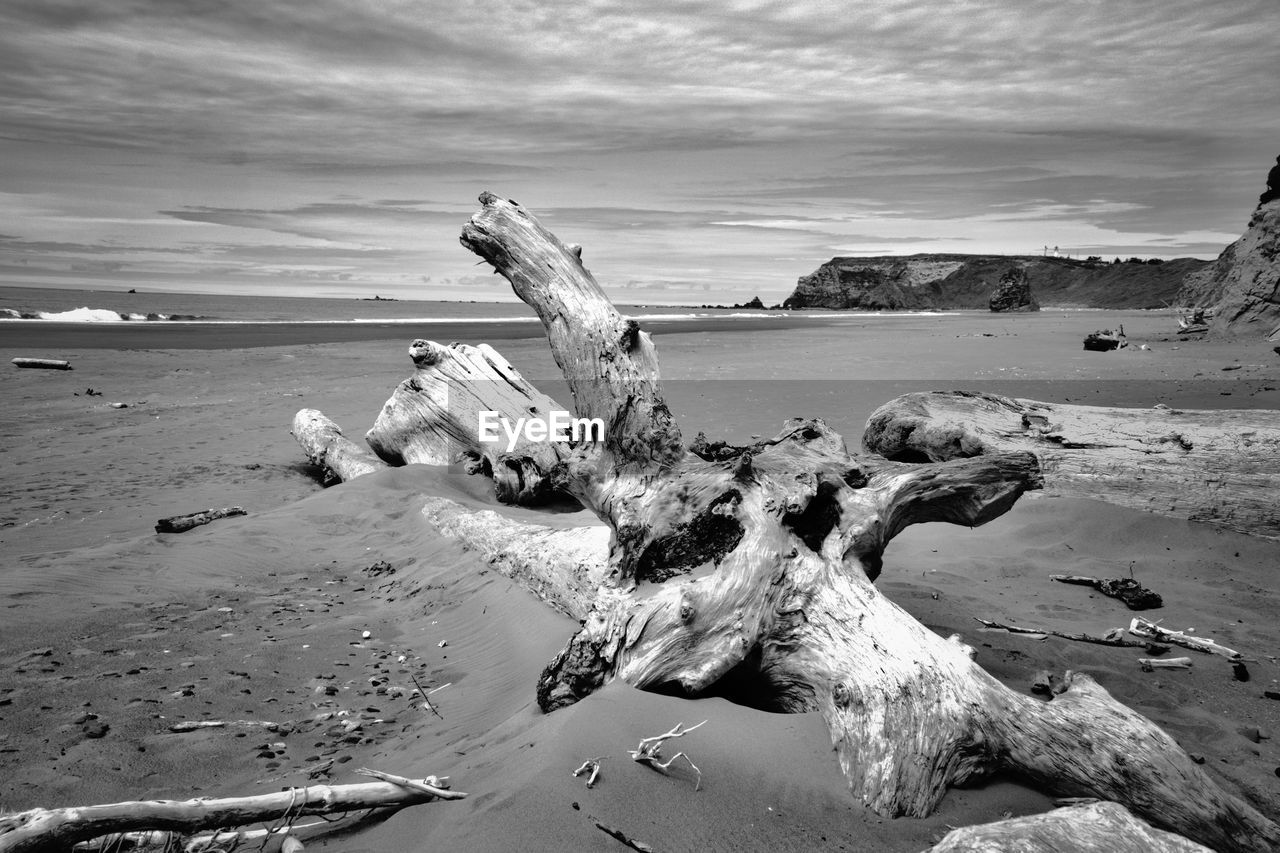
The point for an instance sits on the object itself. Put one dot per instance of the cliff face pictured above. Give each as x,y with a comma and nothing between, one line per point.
916,282
1243,284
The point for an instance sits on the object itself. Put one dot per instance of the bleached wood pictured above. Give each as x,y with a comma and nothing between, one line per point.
753,566
1091,828
43,363
1216,466
47,830
433,418
325,445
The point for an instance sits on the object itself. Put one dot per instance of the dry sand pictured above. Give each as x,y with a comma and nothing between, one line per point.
110,633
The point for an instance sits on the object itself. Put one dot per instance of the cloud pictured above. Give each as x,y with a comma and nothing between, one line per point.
730,143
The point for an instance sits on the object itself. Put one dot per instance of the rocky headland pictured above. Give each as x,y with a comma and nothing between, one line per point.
939,281
1241,289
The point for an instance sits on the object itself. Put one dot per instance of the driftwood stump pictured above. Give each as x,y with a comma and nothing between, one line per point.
749,570
1220,467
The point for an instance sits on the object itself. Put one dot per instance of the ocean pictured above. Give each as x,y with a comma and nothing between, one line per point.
90,319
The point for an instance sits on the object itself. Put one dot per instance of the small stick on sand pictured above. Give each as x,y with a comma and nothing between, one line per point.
593,766
1150,664
649,752
1142,628
426,703
197,725
436,786
624,838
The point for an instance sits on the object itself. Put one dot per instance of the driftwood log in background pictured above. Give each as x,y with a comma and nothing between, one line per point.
753,566
1220,467
325,445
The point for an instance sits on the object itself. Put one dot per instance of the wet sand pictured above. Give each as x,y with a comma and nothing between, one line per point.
110,633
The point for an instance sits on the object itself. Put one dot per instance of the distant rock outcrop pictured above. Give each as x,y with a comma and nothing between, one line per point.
1242,287
916,282
1014,293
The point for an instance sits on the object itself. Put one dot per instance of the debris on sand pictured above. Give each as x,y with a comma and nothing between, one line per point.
1133,594
1105,340
43,363
183,523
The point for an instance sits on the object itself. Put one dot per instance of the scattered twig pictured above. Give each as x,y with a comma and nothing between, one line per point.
45,363
437,786
592,766
426,703
649,752
1149,664
1142,628
1133,594
1114,637
624,838
197,725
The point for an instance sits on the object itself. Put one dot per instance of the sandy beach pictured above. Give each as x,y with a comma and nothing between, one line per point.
111,633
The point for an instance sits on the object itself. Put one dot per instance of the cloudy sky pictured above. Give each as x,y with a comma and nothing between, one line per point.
699,151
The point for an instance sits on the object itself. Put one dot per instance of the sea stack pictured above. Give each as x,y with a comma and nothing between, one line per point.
1013,294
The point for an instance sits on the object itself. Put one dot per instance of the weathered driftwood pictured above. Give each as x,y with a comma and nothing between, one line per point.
183,523
433,418
1090,828
749,569
47,830
1221,467
1115,637
1134,595
1143,628
325,445
43,363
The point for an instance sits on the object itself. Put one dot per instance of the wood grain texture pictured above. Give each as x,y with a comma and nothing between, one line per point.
47,830
747,571
1091,828
433,418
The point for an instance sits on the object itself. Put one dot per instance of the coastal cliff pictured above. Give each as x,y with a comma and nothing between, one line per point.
929,281
1242,287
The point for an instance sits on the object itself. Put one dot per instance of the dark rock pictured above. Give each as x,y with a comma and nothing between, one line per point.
95,729
1239,671
1105,341
1013,293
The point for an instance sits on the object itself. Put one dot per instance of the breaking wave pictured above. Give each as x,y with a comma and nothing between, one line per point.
91,315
